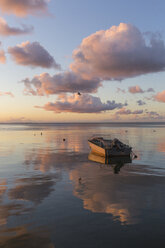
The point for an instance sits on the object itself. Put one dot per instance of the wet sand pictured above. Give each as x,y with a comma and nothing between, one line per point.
52,195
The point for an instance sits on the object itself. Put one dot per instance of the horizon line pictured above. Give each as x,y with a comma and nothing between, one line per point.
119,122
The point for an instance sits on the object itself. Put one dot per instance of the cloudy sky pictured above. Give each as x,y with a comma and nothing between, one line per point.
80,61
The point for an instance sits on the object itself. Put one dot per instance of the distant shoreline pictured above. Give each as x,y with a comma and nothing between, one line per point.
75,123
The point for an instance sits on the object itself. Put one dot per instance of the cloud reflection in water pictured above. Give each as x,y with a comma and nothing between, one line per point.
124,196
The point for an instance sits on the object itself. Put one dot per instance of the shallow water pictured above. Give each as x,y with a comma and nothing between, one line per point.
52,195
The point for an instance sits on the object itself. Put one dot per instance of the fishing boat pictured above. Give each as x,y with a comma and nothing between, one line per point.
109,148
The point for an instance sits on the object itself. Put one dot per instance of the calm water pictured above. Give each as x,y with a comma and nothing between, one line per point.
52,195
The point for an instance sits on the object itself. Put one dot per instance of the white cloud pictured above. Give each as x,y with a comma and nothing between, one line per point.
118,53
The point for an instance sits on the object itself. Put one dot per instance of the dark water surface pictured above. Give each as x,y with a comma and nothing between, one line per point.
52,195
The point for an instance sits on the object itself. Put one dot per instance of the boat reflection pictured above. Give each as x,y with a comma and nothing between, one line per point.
116,162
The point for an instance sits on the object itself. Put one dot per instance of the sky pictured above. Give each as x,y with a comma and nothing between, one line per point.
82,61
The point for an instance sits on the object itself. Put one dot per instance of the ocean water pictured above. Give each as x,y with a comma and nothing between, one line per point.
54,193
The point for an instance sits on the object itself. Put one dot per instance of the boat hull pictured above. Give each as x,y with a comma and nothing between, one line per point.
107,152
96,149
109,160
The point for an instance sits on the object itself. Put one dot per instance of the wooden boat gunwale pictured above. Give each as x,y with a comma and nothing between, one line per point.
107,152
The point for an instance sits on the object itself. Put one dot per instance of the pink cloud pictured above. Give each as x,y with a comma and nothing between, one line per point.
2,56
141,115
44,84
80,104
124,111
154,115
6,30
135,89
118,53
6,94
160,96
32,54
22,8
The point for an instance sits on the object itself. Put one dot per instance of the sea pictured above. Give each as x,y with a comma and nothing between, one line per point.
54,193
